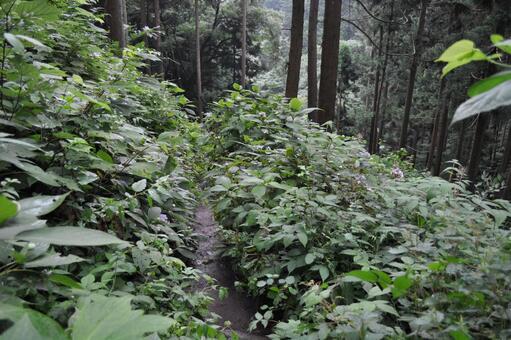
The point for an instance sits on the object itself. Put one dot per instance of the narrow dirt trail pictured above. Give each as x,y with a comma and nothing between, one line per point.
237,307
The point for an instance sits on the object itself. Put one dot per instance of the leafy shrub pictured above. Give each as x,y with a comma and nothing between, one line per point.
344,245
103,153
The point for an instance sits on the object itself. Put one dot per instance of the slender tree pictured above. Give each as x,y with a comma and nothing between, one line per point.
436,124
441,136
312,61
295,49
158,67
413,72
243,42
115,21
198,59
329,61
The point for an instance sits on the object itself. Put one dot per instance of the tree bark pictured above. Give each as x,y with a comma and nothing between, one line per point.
329,61
441,136
158,67
383,114
198,60
436,127
461,139
115,21
295,49
413,72
243,42
507,152
312,63
478,142
374,119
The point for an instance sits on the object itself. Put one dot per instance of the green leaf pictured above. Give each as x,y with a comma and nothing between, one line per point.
104,318
488,83
459,335
496,38
105,156
309,258
17,45
259,191
18,225
8,209
46,327
302,237
490,100
364,275
457,51
53,260
64,280
40,205
139,186
295,104
324,272
504,45
401,286
22,329
69,236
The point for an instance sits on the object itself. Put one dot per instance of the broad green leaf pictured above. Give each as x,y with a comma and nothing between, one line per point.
259,191
457,51
17,45
504,45
302,237
496,38
364,275
401,286
21,330
295,104
46,327
53,260
139,186
488,83
490,100
69,236
459,335
33,41
40,205
64,280
324,272
309,258
105,156
8,209
105,318
20,224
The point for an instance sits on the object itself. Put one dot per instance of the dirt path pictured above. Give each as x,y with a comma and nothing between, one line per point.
236,307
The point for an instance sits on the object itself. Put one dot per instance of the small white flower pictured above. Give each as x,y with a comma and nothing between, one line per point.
397,172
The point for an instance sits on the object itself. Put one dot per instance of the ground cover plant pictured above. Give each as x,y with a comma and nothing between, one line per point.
97,190
345,245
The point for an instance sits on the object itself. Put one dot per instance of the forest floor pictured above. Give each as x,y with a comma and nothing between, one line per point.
237,308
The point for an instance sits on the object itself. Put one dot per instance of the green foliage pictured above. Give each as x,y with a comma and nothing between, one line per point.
97,185
487,94
344,245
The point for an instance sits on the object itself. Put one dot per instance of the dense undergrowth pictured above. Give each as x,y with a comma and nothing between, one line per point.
344,245
97,189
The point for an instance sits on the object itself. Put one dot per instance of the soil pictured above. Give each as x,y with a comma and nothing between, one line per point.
237,307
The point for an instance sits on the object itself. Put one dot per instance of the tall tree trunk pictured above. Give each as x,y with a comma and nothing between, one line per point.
477,143
461,139
198,60
312,63
243,42
158,67
413,72
507,152
436,126
441,136
295,49
374,119
329,61
383,114
115,21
